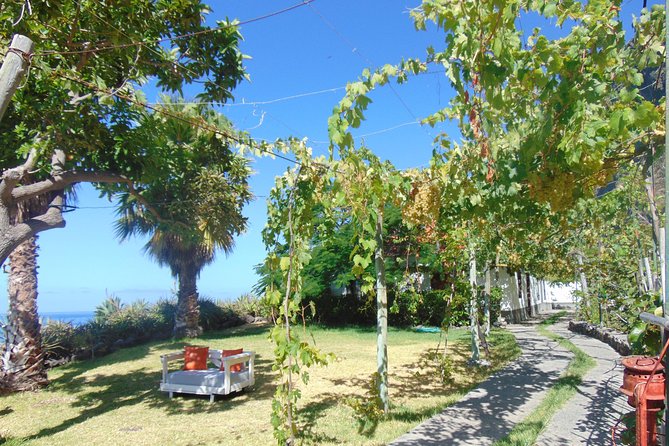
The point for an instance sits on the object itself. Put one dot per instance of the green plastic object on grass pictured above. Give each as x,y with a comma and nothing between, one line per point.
421,329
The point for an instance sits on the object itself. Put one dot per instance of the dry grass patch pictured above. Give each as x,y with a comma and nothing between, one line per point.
115,400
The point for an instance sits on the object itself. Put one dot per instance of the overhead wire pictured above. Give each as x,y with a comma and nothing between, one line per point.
366,60
270,101
96,49
153,50
152,106
285,98
176,116
378,132
152,203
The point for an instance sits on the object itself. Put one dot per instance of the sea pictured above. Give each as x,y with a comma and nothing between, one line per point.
76,318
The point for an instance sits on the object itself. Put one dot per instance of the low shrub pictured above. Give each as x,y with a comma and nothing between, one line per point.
338,310
116,326
250,305
431,308
216,317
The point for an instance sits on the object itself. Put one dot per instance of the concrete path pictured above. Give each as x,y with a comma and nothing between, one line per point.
587,417
490,411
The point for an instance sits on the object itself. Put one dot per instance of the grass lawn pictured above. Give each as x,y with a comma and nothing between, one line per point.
115,399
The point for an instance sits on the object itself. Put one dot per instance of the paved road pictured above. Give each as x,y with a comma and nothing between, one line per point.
587,417
490,411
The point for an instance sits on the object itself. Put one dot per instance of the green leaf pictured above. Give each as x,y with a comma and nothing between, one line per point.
616,121
369,245
636,332
285,263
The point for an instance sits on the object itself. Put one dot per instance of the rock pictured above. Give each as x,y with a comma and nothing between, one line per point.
501,322
479,363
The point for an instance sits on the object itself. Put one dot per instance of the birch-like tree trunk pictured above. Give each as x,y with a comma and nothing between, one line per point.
486,303
581,275
381,314
473,307
528,294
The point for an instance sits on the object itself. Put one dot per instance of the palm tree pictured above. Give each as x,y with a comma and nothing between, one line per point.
197,211
22,360
186,257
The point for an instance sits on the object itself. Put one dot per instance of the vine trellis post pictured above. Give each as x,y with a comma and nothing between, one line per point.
665,276
287,235
286,309
381,313
473,307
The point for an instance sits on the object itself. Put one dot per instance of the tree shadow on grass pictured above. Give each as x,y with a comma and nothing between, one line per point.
235,332
118,357
420,378
490,410
308,416
100,394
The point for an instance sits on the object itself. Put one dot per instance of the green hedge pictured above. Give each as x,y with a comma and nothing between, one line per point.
116,326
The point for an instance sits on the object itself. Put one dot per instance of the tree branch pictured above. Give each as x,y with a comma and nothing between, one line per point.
21,232
11,177
63,180
52,218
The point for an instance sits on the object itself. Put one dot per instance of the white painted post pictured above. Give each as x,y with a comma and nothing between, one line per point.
473,307
14,69
381,314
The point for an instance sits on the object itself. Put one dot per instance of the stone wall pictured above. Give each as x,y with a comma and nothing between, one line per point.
617,340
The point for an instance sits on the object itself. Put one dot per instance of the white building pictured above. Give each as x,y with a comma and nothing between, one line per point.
524,296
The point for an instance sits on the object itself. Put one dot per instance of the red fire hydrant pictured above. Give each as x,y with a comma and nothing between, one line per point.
643,383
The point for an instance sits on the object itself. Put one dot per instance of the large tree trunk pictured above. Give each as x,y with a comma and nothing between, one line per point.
381,315
187,317
22,356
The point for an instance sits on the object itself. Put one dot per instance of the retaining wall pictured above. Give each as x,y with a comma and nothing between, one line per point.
617,340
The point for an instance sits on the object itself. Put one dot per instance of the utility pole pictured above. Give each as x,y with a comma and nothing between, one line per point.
14,68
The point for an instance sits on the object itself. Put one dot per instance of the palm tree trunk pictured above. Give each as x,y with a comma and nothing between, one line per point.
187,317
22,355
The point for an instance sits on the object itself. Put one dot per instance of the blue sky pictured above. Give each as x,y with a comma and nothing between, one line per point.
316,48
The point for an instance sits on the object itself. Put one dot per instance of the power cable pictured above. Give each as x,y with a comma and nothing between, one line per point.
286,98
182,36
270,101
153,50
164,112
72,207
367,61
378,132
